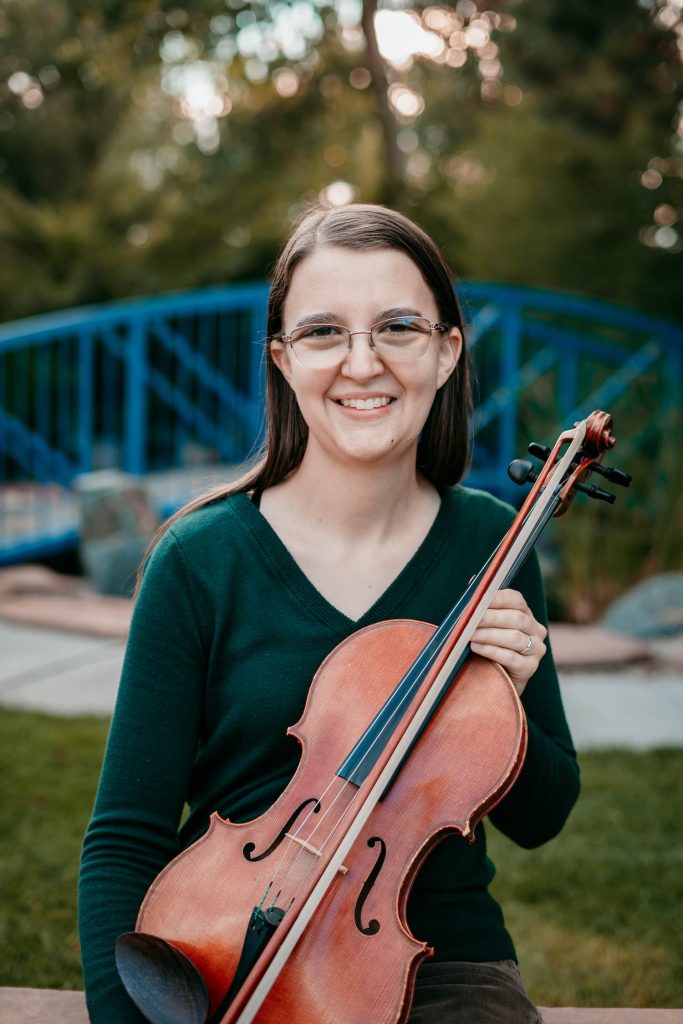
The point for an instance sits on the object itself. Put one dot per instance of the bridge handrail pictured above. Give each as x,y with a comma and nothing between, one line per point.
233,296
227,297
133,370
567,303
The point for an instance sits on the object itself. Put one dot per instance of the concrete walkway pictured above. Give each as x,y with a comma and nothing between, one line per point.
637,704
57,672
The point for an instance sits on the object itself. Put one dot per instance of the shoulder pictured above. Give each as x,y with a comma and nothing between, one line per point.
477,507
473,522
478,522
195,538
216,518
484,521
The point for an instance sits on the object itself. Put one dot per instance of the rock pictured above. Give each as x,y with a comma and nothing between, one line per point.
650,609
117,523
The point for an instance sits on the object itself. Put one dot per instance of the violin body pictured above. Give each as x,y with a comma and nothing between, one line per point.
356,960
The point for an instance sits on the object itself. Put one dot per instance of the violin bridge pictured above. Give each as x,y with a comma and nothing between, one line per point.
312,849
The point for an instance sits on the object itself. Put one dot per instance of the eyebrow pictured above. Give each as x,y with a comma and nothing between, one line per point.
334,318
387,314
318,318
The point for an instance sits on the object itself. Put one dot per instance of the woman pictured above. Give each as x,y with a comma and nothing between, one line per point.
352,517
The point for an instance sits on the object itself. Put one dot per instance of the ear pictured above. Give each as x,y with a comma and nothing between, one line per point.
449,354
280,355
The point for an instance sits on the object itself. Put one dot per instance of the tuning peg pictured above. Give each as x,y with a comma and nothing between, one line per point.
539,451
521,471
596,492
615,476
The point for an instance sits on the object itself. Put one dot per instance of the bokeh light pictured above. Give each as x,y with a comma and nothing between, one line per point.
286,82
665,214
400,37
338,193
651,179
360,78
407,103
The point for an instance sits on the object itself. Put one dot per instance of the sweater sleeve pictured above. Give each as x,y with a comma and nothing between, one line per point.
133,832
547,788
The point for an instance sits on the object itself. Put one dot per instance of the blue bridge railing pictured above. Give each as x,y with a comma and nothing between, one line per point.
156,385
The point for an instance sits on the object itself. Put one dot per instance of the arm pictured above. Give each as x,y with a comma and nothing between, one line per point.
145,776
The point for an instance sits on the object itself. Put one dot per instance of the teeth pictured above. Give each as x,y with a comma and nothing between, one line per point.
365,403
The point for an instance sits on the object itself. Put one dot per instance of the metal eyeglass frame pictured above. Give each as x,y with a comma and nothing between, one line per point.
286,339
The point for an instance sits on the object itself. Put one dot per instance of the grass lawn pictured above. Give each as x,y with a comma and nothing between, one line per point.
596,914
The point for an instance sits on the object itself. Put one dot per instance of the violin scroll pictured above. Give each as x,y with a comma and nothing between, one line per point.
598,438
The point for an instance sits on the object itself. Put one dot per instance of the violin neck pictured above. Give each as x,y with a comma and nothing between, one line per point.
368,749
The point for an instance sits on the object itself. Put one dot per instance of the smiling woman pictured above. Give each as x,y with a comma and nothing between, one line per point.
364,375
352,516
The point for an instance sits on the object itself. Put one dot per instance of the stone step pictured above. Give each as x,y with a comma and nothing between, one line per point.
47,1006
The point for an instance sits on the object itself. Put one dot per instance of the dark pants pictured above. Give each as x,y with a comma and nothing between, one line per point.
471,993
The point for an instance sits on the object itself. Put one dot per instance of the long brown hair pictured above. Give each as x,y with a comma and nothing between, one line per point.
443,449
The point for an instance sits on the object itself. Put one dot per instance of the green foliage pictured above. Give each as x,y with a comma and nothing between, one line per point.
599,553
109,189
594,913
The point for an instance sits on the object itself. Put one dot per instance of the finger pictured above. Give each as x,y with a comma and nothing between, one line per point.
514,639
519,666
514,618
509,618
512,599
509,599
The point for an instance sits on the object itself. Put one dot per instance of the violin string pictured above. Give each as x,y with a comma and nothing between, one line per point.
282,869
293,850
425,655
292,846
448,625
303,881
344,812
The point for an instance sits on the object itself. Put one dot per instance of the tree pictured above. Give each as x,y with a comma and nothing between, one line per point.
147,147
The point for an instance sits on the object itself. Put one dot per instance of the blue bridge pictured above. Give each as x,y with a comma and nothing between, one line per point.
170,389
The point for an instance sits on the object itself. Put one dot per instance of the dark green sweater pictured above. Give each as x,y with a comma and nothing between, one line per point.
226,637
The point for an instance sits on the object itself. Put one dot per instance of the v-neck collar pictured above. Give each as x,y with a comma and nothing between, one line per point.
272,548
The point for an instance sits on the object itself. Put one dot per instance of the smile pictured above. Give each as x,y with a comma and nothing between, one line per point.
365,403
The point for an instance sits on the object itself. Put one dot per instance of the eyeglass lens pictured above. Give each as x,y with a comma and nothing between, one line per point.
399,338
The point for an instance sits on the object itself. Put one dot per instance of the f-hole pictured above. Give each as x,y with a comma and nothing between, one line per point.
373,925
250,847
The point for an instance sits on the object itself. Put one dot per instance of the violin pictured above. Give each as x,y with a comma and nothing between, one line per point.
406,737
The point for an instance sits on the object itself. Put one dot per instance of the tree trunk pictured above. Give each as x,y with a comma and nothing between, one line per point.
393,158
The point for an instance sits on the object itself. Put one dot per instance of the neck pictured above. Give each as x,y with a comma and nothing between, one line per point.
359,500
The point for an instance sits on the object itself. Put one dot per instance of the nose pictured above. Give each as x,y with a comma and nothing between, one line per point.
361,360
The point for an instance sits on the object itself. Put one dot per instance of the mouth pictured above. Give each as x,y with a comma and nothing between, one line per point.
377,402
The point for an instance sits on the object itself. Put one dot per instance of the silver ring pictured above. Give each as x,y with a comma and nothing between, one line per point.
529,647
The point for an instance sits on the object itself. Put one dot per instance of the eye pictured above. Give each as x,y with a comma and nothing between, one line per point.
402,326
318,331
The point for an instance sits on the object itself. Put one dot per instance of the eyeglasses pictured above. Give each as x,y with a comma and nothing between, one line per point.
321,346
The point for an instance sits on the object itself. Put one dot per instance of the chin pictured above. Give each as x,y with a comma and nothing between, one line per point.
369,454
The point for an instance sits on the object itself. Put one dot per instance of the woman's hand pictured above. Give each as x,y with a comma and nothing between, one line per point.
510,635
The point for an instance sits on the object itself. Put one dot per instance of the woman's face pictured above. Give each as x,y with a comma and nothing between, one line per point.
357,290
